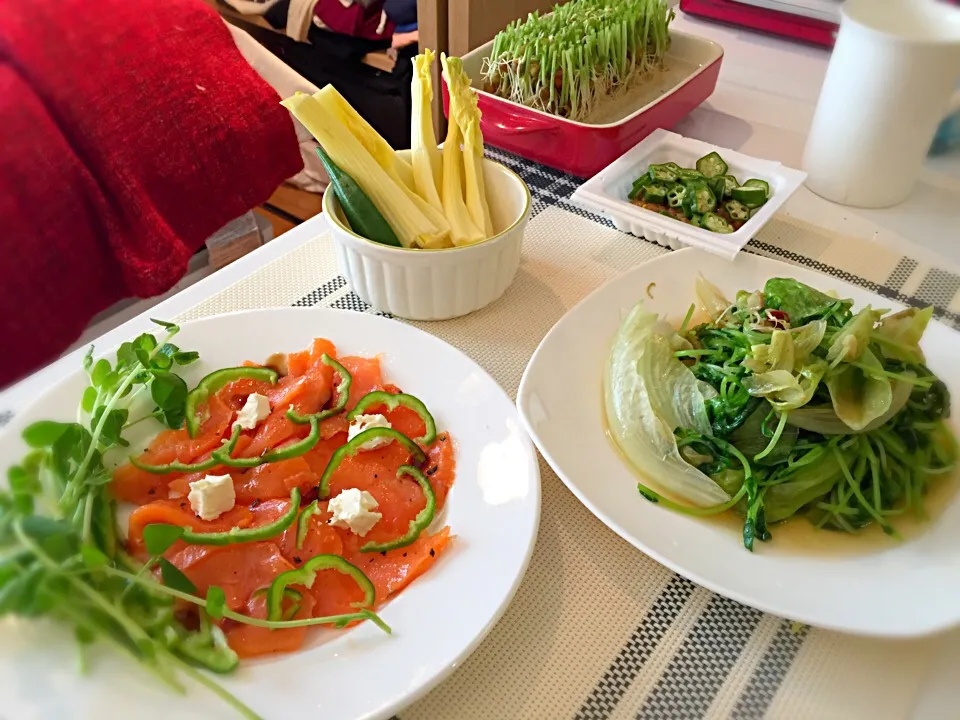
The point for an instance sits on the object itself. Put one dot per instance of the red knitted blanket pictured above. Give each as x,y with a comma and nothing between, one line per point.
130,131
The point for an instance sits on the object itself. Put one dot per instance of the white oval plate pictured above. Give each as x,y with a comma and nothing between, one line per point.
901,590
493,511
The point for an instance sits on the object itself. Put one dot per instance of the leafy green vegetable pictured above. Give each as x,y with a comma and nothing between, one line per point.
799,301
812,410
159,537
854,337
899,334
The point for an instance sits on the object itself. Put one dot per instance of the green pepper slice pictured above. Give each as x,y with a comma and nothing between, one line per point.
288,594
285,453
223,455
235,536
393,400
303,522
215,459
307,575
352,447
343,394
420,523
213,382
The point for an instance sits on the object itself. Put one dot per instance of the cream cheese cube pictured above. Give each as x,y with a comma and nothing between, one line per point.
353,510
211,496
254,411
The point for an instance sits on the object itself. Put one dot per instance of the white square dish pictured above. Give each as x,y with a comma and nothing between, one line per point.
606,193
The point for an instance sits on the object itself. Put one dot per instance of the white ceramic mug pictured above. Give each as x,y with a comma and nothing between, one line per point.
890,82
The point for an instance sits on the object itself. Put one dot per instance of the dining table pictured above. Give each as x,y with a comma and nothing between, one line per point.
597,629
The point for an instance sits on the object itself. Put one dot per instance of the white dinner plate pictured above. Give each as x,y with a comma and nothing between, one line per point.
879,588
493,511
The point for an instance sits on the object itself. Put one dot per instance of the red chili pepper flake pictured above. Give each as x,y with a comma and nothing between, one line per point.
778,318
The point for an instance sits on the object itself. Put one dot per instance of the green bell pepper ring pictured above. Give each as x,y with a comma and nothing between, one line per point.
352,447
284,453
235,536
343,394
392,401
303,522
420,523
215,459
288,594
213,382
306,576
223,455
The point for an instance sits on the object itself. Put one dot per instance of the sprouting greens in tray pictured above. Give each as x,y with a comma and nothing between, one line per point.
785,402
707,196
569,61
263,491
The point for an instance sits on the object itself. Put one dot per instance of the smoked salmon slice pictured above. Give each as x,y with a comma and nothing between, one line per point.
243,570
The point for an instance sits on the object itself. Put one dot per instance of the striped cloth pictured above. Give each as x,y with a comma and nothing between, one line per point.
598,630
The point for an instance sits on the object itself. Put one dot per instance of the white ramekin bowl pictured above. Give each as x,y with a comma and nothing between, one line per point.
437,284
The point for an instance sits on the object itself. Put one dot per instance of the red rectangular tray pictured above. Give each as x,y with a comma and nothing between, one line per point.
583,149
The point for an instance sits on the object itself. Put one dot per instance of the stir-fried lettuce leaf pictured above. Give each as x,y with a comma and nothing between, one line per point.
648,394
859,396
854,337
899,334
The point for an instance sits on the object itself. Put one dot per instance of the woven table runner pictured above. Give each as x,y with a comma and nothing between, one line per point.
597,629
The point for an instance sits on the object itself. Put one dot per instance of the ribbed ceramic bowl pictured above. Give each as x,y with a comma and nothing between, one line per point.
437,284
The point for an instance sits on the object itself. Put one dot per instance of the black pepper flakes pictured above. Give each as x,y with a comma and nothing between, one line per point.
374,476
433,553
255,503
383,554
433,470
297,560
182,505
404,554
152,491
